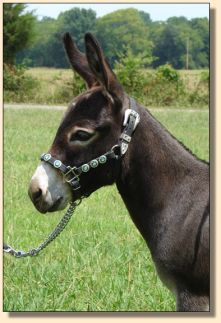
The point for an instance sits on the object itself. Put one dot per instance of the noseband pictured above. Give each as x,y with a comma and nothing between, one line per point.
72,174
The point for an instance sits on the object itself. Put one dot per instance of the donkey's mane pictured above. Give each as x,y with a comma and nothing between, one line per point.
177,140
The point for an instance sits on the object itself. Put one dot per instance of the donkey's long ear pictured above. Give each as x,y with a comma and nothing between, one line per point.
78,60
99,66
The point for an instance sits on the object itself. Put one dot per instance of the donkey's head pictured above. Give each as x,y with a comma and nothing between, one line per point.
90,127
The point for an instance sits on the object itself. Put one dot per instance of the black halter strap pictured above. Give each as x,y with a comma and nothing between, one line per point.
72,174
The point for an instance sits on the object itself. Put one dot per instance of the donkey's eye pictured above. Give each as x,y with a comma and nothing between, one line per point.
81,135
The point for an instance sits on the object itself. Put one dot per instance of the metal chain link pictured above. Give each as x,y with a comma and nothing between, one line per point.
59,228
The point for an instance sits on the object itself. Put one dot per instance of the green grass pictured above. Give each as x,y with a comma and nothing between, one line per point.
100,262
58,86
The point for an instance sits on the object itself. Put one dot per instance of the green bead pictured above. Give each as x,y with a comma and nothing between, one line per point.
57,163
94,163
102,159
85,168
47,157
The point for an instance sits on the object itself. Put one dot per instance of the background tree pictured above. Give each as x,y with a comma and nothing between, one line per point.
201,49
146,18
182,43
38,53
123,29
77,22
47,49
17,30
177,41
171,42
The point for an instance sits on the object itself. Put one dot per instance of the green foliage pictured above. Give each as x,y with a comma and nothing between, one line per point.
180,42
167,73
67,90
204,76
178,38
129,69
44,86
17,30
77,22
18,87
146,18
40,52
47,49
123,29
166,87
201,48
199,95
78,85
161,87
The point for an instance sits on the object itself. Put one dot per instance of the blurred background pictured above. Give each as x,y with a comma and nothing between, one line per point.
159,49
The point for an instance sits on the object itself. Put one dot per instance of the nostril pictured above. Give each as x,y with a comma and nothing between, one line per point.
37,195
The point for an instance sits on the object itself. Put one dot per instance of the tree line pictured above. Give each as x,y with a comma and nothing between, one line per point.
182,43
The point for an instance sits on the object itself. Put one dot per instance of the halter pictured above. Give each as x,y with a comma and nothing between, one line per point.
72,174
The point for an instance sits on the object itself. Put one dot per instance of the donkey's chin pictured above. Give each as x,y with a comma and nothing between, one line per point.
58,205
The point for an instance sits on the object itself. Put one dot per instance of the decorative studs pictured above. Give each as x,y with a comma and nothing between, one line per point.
94,163
85,168
57,163
102,159
47,157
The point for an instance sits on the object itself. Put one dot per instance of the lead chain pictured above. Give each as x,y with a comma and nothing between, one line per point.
59,228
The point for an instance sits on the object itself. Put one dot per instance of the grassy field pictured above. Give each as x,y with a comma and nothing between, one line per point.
100,262
58,86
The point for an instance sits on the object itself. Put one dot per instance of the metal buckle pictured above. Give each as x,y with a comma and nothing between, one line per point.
127,114
125,137
116,150
74,181
71,170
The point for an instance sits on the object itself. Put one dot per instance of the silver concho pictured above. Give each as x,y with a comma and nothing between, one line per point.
94,163
57,163
85,168
102,159
47,157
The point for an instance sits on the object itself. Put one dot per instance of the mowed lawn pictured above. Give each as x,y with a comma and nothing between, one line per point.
100,262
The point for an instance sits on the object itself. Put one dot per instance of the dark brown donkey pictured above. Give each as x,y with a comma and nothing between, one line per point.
164,187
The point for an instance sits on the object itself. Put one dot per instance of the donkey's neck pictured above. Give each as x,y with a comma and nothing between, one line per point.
152,169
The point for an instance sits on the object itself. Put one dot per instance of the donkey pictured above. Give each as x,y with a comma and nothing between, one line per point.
163,185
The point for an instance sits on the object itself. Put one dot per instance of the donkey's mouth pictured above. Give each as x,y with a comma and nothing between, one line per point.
56,205
44,208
